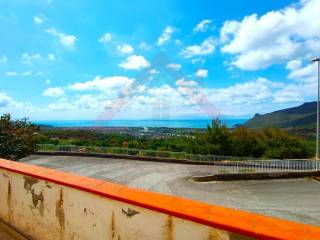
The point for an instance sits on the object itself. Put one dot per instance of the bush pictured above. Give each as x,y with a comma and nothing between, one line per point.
18,138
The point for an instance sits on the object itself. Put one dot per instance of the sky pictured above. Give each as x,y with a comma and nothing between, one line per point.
166,59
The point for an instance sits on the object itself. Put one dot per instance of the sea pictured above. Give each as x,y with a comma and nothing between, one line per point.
181,123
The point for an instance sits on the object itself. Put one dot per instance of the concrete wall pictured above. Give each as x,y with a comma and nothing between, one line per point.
47,204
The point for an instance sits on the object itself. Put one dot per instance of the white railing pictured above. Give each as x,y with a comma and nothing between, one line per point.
266,166
220,164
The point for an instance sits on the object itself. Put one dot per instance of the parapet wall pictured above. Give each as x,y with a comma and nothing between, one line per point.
43,203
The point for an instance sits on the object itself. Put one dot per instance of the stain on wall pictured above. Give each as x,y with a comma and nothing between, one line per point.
60,212
113,226
9,201
36,198
29,182
169,228
130,212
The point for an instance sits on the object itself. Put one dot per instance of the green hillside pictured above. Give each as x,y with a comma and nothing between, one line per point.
303,116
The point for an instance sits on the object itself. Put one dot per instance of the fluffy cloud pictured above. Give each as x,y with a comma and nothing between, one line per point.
301,73
66,40
202,26
8,103
107,37
153,71
37,20
27,58
186,83
184,97
27,73
144,46
11,74
174,66
249,92
14,74
205,48
198,60
125,48
5,100
51,57
166,35
53,92
135,62
202,73
103,84
275,37
3,59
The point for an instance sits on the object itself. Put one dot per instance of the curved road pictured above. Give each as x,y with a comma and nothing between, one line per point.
293,199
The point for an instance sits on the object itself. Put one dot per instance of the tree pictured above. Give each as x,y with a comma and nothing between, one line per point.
18,138
216,139
245,143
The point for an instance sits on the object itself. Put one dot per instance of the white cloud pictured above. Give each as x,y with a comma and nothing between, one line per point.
178,42
290,93
27,58
105,84
25,74
68,41
107,37
37,20
202,73
275,37
135,62
5,100
166,35
186,83
51,57
301,73
53,92
205,48
153,71
125,48
11,74
251,92
174,66
164,90
202,26
11,105
3,59
144,46
294,64
198,60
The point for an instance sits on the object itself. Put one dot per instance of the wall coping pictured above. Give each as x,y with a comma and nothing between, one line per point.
249,224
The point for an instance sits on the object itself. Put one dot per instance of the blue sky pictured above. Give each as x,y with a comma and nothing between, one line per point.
167,59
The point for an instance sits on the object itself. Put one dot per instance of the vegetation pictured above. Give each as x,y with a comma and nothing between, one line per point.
217,140
301,119
18,138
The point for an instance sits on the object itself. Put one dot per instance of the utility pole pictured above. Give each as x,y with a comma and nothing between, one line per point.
317,60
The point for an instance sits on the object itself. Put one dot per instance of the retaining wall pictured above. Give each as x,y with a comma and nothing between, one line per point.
44,203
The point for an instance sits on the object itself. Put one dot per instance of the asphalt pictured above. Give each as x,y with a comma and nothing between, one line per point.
292,199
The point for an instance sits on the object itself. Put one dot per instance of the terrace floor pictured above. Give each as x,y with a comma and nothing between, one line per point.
292,199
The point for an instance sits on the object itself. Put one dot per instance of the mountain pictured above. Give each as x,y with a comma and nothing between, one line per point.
303,116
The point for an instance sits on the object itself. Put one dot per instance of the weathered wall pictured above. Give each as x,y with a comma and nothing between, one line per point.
48,204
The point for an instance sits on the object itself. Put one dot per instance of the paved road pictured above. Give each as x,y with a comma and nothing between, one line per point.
294,199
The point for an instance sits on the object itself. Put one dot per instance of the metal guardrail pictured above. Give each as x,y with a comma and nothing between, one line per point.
267,166
138,152
221,164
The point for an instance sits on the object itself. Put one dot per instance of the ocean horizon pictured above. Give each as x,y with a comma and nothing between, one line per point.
170,123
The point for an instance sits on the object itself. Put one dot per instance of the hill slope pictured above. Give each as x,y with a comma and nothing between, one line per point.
303,116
